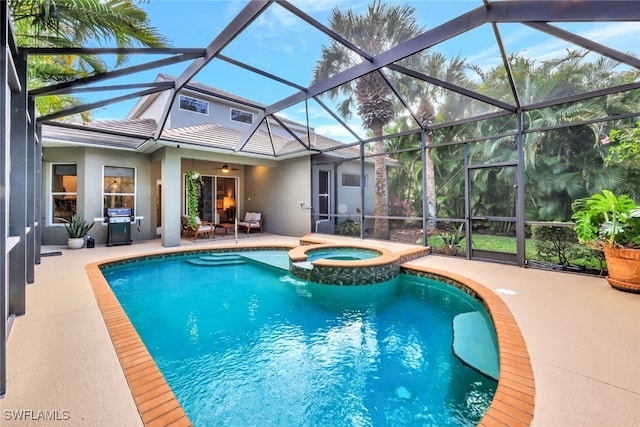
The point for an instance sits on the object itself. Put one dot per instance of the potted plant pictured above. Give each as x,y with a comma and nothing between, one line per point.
452,239
611,223
77,229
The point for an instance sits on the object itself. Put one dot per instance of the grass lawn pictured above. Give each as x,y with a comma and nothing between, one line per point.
508,244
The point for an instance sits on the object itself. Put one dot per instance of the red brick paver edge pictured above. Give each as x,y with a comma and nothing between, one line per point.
156,402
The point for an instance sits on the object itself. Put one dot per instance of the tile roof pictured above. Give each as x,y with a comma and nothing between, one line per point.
143,127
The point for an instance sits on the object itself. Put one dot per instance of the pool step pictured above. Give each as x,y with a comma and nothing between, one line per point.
221,257
218,260
474,345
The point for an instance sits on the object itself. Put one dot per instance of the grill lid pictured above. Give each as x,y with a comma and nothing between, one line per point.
119,212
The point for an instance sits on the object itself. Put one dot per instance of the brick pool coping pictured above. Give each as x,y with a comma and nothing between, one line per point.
512,404
154,398
514,400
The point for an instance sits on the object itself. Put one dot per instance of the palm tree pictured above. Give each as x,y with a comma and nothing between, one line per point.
76,23
451,71
380,28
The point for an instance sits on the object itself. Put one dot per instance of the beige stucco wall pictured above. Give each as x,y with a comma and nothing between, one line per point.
277,192
90,162
274,188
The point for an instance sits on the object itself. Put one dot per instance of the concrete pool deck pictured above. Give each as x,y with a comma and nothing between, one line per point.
583,338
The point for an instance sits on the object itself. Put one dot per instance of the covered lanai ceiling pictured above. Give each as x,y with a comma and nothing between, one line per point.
491,37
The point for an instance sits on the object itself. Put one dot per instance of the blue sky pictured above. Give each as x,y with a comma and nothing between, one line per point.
280,43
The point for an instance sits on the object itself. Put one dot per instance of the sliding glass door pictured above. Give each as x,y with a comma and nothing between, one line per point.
218,199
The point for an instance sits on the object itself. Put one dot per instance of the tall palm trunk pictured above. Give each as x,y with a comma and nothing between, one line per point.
430,191
381,207
426,114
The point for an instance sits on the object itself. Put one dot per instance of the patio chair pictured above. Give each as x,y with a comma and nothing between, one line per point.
185,230
202,227
252,220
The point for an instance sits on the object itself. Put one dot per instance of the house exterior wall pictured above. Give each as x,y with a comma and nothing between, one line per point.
264,185
348,196
219,112
90,162
344,200
153,107
277,192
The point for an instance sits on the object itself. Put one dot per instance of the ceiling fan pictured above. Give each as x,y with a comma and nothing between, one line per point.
226,168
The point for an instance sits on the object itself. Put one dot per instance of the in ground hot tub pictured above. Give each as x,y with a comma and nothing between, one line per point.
343,265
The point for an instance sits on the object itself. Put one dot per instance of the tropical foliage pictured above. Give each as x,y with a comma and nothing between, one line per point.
193,181
625,146
77,23
561,165
370,97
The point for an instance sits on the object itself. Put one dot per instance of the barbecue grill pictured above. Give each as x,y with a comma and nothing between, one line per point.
119,222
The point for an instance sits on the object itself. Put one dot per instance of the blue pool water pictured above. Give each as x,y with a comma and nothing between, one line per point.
346,253
248,345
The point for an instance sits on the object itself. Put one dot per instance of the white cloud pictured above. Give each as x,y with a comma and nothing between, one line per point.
624,35
338,132
620,33
311,6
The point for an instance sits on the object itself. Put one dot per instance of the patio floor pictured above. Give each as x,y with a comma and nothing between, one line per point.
583,338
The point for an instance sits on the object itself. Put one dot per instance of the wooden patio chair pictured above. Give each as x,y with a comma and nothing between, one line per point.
186,230
204,227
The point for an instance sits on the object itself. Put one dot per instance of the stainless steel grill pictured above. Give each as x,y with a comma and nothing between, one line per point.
119,223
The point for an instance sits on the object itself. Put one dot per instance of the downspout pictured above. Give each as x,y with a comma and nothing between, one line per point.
362,191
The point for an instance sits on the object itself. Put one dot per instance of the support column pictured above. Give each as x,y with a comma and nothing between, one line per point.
36,130
32,201
171,175
520,205
18,195
4,192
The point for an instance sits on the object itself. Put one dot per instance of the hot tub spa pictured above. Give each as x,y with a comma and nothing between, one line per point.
343,265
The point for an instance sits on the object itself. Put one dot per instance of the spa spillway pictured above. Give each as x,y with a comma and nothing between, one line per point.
343,265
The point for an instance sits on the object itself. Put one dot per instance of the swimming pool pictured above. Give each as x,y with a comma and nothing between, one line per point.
269,349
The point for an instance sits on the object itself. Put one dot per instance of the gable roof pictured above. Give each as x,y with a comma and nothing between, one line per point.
133,133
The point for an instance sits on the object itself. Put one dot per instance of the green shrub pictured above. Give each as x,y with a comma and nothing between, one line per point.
555,243
349,227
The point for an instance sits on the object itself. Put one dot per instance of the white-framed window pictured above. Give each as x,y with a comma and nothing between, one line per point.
193,104
64,191
119,188
241,116
352,179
